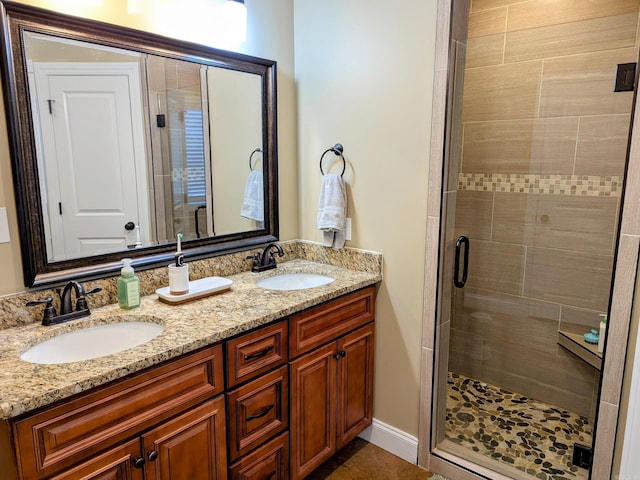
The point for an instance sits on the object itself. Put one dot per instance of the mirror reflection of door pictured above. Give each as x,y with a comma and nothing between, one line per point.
90,117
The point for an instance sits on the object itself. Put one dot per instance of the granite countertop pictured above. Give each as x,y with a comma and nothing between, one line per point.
189,326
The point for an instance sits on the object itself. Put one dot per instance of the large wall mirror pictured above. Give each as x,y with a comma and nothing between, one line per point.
122,140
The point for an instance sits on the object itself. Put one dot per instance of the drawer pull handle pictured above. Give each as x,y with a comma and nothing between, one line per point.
152,455
261,413
259,354
270,476
138,462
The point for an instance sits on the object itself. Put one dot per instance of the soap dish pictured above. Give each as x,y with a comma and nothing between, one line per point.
197,289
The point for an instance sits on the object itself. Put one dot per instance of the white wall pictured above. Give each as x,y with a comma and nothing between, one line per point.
364,75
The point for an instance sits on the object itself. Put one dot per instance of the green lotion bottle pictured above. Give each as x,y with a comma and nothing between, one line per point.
128,286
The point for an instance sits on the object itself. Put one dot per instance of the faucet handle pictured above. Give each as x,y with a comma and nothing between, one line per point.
272,254
256,257
49,310
81,302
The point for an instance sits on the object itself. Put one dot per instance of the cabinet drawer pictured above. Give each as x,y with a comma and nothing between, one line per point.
324,323
270,462
256,352
257,411
61,436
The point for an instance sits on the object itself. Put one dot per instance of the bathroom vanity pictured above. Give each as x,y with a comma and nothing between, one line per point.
252,383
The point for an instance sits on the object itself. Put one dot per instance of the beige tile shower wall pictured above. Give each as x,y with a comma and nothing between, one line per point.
160,155
544,146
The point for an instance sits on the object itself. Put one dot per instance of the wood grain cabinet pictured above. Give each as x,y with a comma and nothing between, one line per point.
115,464
258,405
190,446
297,390
332,384
149,426
269,462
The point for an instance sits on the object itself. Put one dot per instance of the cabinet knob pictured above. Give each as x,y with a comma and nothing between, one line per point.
138,462
340,354
152,455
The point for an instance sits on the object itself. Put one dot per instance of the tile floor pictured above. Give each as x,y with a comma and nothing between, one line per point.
530,436
361,460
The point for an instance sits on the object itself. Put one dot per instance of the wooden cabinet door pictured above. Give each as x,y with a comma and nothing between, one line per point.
192,445
115,464
313,409
355,384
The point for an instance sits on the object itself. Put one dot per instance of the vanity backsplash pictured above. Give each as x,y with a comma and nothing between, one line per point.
14,312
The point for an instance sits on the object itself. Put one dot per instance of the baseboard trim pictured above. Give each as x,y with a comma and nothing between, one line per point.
392,440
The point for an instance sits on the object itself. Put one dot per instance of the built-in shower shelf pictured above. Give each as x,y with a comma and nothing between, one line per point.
586,351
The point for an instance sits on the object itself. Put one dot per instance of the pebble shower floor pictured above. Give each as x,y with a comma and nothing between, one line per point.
534,437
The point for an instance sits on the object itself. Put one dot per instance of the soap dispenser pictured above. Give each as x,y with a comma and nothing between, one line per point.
603,330
128,286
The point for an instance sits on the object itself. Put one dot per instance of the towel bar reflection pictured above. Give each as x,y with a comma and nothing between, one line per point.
257,150
337,149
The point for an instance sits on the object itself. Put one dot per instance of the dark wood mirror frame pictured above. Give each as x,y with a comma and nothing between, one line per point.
38,271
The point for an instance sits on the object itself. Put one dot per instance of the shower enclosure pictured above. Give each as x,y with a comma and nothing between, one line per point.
532,189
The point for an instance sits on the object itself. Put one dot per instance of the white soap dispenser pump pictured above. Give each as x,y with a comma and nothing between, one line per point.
603,331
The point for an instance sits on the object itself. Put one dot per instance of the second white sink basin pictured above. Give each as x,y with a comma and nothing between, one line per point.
92,342
294,281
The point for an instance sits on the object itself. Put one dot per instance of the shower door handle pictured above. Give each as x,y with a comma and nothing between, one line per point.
462,240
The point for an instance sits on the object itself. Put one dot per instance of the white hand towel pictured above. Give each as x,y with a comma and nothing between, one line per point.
253,204
332,211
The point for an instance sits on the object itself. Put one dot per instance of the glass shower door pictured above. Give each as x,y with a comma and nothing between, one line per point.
537,152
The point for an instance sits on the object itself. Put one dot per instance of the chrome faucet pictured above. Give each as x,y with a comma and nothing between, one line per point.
266,260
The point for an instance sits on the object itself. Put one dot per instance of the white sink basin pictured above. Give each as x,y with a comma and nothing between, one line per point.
294,281
92,342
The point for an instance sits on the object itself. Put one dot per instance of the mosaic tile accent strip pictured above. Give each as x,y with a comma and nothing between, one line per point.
579,185
534,437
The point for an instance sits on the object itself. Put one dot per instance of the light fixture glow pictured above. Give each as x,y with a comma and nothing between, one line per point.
134,6
235,13
219,23
80,4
